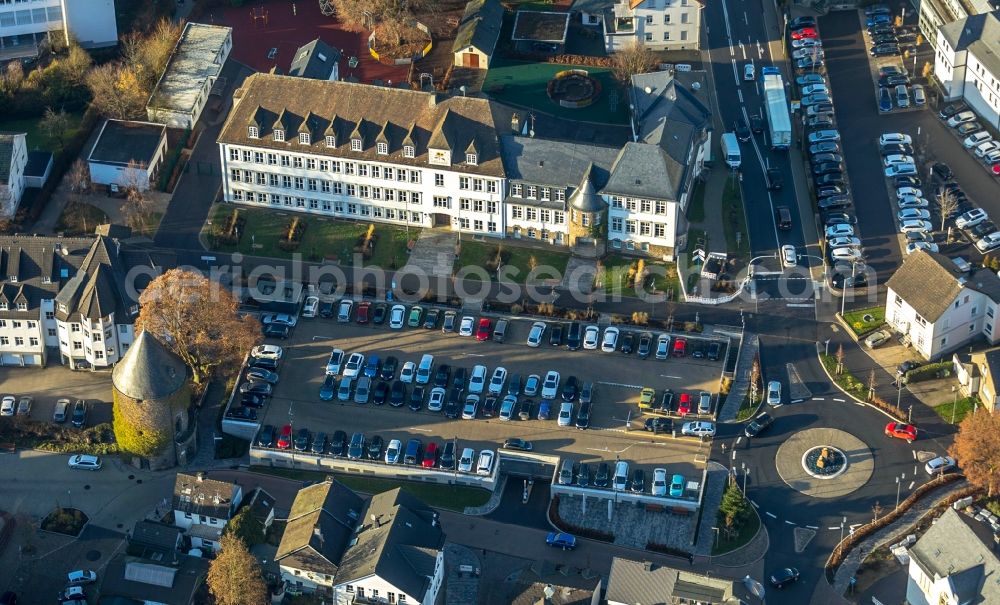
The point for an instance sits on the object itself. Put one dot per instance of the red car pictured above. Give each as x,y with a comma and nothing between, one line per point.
805,32
285,438
680,347
901,431
364,312
684,405
430,455
483,331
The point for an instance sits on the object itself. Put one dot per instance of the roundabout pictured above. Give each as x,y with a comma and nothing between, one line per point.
824,462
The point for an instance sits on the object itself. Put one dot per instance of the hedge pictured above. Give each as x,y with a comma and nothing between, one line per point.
928,372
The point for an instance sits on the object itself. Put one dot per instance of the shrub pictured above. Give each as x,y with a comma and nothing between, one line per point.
929,372
516,309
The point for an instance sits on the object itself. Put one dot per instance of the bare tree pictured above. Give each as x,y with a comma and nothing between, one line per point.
137,207
390,17
79,177
55,124
633,59
947,203
117,91
840,359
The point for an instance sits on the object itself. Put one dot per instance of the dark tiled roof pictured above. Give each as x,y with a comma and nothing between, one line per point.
586,198
555,163
978,34
929,282
363,110
644,170
206,496
959,548
98,288
6,154
314,60
149,371
320,526
121,142
155,535
480,26
149,581
645,583
38,163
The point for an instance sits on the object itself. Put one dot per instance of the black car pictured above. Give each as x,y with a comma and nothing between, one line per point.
571,388
378,314
489,407
837,218
527,410
264,363
389,366
628,343
516,443
326,309
602,475
889,70
375,446
442,375
828,190
881,29
261,375
667,401
823,120
302,439
774,179
79,418
942,171
583,415
833,178
906,366
645,344
417,398
907,181
397,393
756,123
447,459
822,158
742,131
338,444
800,22
886,38
266,436
356,447
824,147
827,168
951,109
380,392
319,443
893,80
714,351
638,484
658,424
897,148
884,50
257,388
842,277
820,108
514,384
453,407
555,335
458,378
279,331
431,319
758,425
784,577
583,475
449,322
834,202
242,413
252,400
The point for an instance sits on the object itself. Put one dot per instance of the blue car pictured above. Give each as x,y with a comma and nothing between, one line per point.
373,366
544,409
329,387
561,540
677,486
884,99
877,20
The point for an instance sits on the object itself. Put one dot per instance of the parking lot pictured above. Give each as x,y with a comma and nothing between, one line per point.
55,382
618,380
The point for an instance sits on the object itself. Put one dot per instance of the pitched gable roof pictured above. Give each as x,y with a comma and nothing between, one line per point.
646,583
644,170
954,547
929,282
314,60
480,26
320,526
200,495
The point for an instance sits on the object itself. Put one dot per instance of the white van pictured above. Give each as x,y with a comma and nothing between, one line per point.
424,369
621,476
478,379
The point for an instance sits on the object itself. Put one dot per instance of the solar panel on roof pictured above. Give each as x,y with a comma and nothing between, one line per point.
157,575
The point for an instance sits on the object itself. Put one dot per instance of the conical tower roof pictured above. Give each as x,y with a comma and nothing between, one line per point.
149,370
586,198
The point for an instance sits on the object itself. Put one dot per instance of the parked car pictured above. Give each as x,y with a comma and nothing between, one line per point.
784,577
940,465
561,540
877,339
698,429
85,462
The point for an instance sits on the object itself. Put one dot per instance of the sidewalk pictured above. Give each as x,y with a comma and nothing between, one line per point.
741,383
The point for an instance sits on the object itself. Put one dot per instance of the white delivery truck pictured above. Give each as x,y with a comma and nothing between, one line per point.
731,150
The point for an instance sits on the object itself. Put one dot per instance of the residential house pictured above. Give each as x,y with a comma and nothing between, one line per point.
156,541
13,161
388,549
317,60
127,154
938,307
978,375
261,508
655,24
542,582
477,35
191,72
129,579
24,27
65,295
644,583
203,506
966,64
954,562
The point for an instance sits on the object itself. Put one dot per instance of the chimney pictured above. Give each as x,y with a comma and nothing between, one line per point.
647,566
432,99
515,123
319,535
200,476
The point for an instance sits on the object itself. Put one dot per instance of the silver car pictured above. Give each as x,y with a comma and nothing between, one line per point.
363,391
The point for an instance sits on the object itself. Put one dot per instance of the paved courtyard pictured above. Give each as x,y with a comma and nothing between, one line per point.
55,382
631,525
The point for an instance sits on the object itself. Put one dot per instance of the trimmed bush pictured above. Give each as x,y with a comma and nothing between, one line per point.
930,371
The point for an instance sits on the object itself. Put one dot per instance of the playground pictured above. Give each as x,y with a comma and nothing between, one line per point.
267,33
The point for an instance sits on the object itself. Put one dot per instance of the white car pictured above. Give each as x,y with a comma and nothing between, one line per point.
749,72
663,346
466,460
531,385
477,380
344,310
774,393
897,158
659,482
550,386
698,429
334,362
986,244
85,462
407,372
394,452
940,465
971,218
7,406
81,577
397,315
354,365
839,230
847,254
485,464
788,256
961,118
610,341
878,339
813,52
894,138
465,328
591,334
496,381
471,407
823,135
806,43
928,246
844,242
900,170
915,226
910,213
908,192
311,306
985,147
976,138
992,156
535,336
436,400
267,352
565,413
910,201
814,88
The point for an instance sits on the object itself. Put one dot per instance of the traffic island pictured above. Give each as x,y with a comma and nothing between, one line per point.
824,463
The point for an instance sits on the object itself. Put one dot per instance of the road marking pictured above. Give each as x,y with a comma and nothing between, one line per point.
738,439
473,355
911,484
834,527
840,400
620,384
798,400
789,522
669,376
914,452
799,305
855,525
770,515
812,527
819,399
739,93
315,338
754,504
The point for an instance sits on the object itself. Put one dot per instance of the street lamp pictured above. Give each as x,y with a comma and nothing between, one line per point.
746,471
899,390
899,483
954,403
843,522
843,295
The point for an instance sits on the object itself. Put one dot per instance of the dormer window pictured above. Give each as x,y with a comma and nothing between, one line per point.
13,279
253,132
279,135
382,148
471,159
3,306
356,145
22,306
331,141
408,151
46,279
303,138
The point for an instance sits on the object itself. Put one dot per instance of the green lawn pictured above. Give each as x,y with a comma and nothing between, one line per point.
747,409
735,222
858,323
482,254
323,237
450,497
845,380
696,209
78,218
962,408
524,84
662,276
36,138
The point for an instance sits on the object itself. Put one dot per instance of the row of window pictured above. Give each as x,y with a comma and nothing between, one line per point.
639,227
381,147
339,207
534,192
27,17
554,217
638,205
98,354
15,324
666,36
18,341
284,181
667,18
374,594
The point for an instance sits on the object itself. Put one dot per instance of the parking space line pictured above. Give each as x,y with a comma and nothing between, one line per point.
834,527
911,484
773,516
819,399
669,376
798,400
811,527
840,400
789,522
620,384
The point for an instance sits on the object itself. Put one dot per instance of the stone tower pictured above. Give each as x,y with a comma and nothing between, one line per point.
153,422
587,219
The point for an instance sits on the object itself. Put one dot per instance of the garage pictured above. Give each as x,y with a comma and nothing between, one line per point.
34,359
10,359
